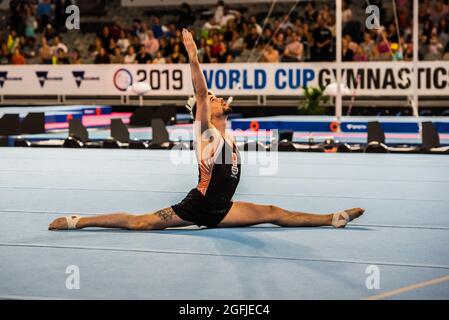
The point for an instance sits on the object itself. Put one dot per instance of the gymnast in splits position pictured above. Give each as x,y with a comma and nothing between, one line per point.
210,203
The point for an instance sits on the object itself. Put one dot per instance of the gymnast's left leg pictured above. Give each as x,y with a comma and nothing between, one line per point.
247,214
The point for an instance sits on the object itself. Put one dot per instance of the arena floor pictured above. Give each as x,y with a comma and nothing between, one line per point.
404,232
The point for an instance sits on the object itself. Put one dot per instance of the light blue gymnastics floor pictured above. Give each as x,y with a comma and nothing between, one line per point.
404,233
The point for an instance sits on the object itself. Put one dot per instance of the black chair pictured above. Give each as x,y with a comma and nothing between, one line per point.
161,139
431,140
376,141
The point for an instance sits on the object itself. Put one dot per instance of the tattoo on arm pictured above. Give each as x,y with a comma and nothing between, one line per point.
166,214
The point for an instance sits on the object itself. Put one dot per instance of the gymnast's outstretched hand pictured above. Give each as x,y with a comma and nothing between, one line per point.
190,44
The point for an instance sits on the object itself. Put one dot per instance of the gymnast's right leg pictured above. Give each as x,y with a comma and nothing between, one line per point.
165,218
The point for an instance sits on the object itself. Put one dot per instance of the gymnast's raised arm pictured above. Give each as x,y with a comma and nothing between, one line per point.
199,83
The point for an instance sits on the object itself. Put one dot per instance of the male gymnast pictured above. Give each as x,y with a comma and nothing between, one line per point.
210,202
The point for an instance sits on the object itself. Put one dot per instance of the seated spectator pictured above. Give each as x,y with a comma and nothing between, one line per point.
44,13
105,37
57,44
276,25
331,24
321,50
250,39
347,13
360,54
236,45
435,47
214,45
255,55
407,48
157,28
12,41
114,30
17,57
45,52
325,12
446,53
130,57
347,53
116,57
50,32
443,31
75,57
367,44
136,27
352,45
223,50
267,35
269,54
374,55
159,59
201,48
279,43
228,16
307,39
143,56
288,35
396,52
111,46
60,57
253,22
243,29
427,30
294,51
285,24
102,57
29,20
171,31
151,44
176,56
392,33
439,10
207,56
383,46
143,33
171,45
28,46
229,29
164,47
135,43
5,56
211,25
310,12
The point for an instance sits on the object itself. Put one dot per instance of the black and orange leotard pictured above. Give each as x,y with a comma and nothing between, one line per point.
211,200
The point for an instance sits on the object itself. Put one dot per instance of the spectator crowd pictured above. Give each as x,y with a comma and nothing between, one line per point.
35,33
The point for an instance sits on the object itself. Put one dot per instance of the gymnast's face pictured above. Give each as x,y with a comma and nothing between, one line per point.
219,108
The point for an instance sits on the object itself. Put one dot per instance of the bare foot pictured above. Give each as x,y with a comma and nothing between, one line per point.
58,224
352,214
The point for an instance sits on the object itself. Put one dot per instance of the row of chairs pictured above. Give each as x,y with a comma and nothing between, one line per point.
34,123
120,138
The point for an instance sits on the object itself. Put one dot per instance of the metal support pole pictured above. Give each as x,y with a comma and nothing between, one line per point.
338,98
